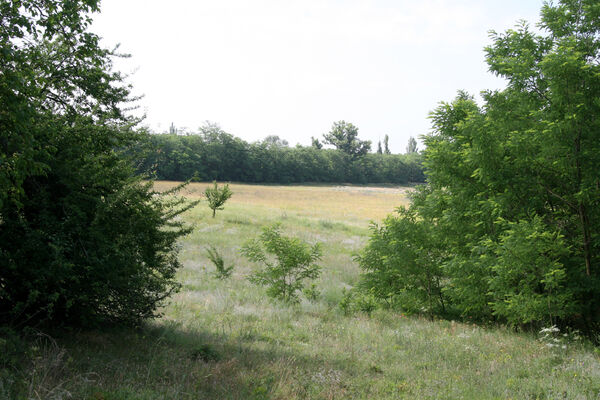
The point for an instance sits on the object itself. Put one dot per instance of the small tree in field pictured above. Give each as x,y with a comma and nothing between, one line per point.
217,196
293,263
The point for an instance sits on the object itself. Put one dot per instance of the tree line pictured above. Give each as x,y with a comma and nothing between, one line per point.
507,228
213,154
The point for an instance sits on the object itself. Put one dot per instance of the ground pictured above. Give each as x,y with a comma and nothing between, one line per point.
225,339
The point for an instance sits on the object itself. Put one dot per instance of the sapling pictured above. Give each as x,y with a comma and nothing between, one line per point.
217,196
287,261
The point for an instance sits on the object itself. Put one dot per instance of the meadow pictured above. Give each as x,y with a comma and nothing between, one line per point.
225,339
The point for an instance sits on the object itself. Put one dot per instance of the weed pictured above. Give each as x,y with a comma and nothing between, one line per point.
221,271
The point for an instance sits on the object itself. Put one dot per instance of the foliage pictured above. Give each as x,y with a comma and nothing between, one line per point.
401,264
357,300
513,194
221,270
312,293
316,143
82,241
386,147
220,156
344,136
293,263
217,196
411,147
529,278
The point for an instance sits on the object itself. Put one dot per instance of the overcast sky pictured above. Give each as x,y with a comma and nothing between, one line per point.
292,68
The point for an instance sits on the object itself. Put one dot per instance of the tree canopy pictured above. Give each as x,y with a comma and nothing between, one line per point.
344,136
82,239
513,194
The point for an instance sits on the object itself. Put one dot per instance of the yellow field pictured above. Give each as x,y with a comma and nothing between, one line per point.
352,203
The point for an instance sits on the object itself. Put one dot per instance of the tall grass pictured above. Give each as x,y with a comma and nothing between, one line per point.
224,339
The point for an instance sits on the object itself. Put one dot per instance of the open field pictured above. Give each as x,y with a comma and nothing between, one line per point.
224,339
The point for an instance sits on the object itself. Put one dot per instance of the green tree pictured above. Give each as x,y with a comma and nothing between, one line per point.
386,147
316,143
513,189
379,150
411,147
82,240
217,196
344,136
288,262
402,264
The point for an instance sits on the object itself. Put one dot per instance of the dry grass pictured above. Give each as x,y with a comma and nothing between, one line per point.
349,203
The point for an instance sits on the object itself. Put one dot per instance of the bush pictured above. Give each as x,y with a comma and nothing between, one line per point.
358,300
401,264
293,263
530,279
82,240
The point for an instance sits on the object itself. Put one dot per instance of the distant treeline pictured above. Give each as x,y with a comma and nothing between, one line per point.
212,154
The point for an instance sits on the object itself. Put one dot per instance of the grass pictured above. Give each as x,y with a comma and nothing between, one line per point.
224,339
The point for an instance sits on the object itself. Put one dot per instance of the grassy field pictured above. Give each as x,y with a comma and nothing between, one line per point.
224,339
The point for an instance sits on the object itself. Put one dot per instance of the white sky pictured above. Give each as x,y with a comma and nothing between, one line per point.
293,67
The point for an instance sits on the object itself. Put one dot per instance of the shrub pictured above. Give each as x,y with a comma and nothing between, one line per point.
312,293
290,264
401,264
82,240
358,300
530,279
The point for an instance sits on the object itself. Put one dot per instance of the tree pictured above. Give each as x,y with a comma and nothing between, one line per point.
294,262
315,143
386,148
275,141
411,147
379,150
217,196
513,190
82,240
344,136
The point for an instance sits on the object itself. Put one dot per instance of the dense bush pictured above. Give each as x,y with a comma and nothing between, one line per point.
508,225
82,240
402,264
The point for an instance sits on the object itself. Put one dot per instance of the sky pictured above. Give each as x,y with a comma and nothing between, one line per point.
293,67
